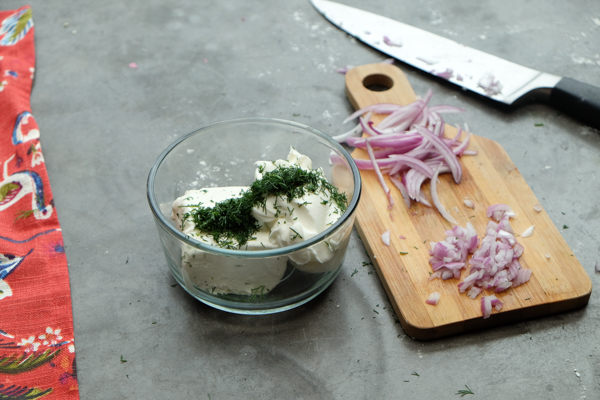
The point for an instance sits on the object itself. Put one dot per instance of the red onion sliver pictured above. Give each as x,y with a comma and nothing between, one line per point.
445,151
379,176
398,183
436,200
381,108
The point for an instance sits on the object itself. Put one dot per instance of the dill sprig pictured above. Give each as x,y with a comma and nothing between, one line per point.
464,392
230,222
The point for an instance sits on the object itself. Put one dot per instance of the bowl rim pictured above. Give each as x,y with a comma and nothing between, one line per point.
165,224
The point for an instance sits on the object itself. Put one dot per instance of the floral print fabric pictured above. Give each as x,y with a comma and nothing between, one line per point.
37,350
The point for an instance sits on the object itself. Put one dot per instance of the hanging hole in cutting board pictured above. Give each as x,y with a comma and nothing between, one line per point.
378,83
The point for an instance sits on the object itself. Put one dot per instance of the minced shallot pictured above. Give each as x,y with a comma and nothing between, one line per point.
494,264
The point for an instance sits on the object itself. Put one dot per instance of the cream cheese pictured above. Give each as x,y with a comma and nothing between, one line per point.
283,222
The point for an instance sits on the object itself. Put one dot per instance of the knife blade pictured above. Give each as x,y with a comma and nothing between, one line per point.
490,76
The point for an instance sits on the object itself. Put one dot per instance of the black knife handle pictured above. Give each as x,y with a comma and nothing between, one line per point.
578,99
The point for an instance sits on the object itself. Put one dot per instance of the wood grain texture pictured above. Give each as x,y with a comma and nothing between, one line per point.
559,283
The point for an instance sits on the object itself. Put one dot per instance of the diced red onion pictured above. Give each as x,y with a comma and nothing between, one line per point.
490,85
447,74
397,42
496,211
528,232
486,306
433,299
385,237
469,203
537,207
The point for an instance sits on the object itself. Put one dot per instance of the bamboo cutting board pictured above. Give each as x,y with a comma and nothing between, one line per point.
558,283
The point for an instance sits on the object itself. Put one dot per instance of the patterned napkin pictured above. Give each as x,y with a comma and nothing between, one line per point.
37,353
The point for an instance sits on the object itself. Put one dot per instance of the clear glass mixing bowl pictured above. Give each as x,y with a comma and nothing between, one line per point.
223,154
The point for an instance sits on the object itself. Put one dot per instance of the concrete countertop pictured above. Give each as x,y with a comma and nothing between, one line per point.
103,124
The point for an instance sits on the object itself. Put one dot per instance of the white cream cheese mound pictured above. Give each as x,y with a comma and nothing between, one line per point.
282,223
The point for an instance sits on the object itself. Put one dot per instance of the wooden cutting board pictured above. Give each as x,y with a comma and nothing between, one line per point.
559,282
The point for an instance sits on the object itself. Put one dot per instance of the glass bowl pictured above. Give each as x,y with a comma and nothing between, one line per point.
224,155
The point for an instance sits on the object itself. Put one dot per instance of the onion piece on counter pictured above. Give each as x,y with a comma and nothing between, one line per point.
385,237
433,298
528,232
597,268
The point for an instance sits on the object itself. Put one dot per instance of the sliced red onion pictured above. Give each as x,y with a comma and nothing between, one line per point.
410,143
436,200
446,109
433,298
381,108
445,151
385,237
379,176
398,183
356,131
528,232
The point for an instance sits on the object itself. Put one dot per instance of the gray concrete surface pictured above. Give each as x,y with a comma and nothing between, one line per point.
103,124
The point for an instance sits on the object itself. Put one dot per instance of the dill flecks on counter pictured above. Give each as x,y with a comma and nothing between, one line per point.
230,222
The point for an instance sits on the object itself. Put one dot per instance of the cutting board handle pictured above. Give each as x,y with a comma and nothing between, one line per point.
359,79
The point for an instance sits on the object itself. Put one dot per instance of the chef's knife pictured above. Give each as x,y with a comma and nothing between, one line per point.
482,73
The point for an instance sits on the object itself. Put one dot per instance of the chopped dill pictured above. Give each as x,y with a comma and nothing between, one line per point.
230,222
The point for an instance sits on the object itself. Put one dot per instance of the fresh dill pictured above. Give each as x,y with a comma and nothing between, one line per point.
354,273
257,293
464,392
230,222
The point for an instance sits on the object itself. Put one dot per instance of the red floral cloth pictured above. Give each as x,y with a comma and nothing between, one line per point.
37,353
